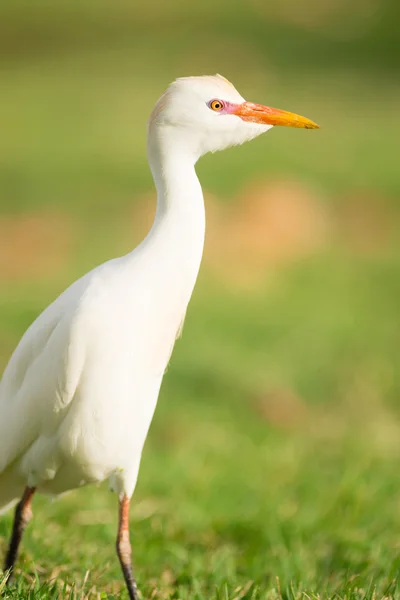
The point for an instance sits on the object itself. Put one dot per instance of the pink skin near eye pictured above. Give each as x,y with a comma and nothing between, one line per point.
227,107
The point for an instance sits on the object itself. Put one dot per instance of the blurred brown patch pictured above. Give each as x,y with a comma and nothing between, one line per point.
365,221
33,245
270,224
143,213
280,407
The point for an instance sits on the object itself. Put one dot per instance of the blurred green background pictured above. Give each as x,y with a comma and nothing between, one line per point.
271,469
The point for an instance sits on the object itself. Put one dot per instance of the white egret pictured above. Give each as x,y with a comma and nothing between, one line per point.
79,392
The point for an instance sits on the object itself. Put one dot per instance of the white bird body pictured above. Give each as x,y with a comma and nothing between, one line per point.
79,392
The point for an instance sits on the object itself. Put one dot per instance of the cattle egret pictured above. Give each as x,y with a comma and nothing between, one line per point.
79,392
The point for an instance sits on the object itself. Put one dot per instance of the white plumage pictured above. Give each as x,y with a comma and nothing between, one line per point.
78,395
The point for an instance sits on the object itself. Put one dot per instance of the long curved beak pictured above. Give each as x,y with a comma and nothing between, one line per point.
257,113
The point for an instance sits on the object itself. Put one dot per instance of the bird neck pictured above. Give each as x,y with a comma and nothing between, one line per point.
180,215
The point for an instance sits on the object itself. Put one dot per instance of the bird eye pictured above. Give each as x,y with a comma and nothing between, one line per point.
216,105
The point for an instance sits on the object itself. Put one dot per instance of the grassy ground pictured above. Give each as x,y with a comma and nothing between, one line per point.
273,454
271,468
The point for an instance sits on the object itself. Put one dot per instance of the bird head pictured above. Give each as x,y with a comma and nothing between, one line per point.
206,114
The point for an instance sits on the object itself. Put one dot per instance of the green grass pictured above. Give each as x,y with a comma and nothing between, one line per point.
271,468
273,454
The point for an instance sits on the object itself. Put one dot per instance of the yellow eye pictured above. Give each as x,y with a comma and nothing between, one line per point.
216,105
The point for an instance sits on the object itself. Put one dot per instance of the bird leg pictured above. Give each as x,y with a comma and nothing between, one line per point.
124,550
23,514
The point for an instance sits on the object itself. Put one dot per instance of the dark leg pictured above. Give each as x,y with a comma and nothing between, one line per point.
23,514
124,548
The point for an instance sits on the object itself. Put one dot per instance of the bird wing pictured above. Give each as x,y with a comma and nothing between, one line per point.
42,374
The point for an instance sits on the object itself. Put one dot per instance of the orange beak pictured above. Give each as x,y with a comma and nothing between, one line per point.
257,113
